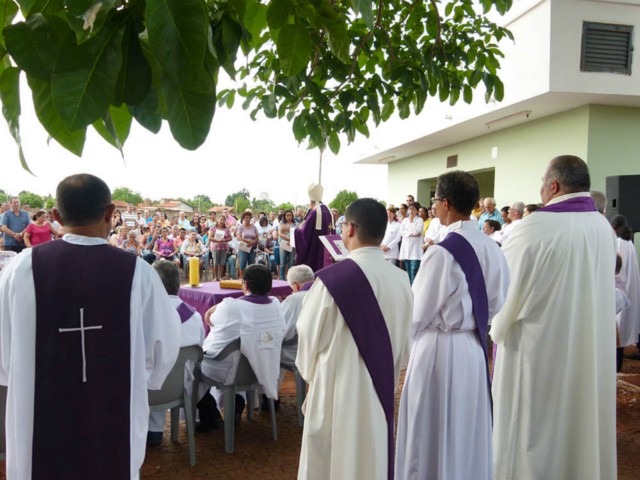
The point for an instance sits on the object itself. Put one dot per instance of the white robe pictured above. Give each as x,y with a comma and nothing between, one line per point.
411,233
507,230
444,424
232,319
155,330
554,383
191,333
435,231
629,319
345,431
291,309
392,240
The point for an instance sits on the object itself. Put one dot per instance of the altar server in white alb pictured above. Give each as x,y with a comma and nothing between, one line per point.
299,279
629,318
444,425
86,329
353,333
191,333
554,384
252,325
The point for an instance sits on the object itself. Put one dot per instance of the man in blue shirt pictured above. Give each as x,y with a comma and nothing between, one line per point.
490,213
13,223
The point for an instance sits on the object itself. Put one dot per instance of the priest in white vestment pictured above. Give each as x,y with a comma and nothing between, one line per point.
345,433
444,424
297,278
554,383
191,333
154,333
516,212
629,318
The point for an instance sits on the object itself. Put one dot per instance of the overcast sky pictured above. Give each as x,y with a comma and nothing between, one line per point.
260,156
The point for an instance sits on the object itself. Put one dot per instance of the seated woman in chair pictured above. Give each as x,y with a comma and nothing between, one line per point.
193,248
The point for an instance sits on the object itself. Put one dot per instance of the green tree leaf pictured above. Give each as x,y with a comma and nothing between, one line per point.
278,13
10,95
146,113
10,99
33,45
189,114
50,7
294,48
254,21
72,140
85,76
8,11
365,7
134,79
338,39
178,36
334,142
231,36
86,17
114,127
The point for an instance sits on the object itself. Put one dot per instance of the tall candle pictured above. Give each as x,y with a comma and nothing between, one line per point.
194,271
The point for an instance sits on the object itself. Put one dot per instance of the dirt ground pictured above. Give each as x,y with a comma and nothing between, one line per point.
258,456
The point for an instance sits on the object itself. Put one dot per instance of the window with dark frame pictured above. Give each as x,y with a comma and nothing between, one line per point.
606,48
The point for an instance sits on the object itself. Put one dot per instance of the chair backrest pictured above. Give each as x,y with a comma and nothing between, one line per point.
245,374
173,386
263,351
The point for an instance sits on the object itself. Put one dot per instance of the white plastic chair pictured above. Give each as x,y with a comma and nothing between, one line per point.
301,389
244,381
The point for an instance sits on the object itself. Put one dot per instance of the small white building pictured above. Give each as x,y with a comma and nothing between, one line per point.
572,86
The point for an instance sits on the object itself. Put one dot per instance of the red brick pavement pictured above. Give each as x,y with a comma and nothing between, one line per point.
258,456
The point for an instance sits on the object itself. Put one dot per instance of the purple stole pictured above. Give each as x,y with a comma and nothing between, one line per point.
82,394
257,299
465,255
185,311
571,205
357,303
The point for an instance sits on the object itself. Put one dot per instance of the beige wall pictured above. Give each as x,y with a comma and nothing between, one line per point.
522,155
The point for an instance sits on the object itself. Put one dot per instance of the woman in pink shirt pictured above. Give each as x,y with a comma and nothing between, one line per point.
40,231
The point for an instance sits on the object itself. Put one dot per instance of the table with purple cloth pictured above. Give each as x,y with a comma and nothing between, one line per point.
207,295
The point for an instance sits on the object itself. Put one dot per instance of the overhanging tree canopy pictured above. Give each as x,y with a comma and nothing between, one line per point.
332,67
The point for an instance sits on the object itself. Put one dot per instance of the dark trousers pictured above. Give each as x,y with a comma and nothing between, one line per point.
14,248
209,413
619,358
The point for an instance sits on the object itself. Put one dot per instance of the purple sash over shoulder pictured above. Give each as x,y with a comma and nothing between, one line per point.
465,255
185,311
574,204
359,307
257,299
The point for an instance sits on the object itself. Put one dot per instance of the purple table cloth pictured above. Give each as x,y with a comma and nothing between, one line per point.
207,295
